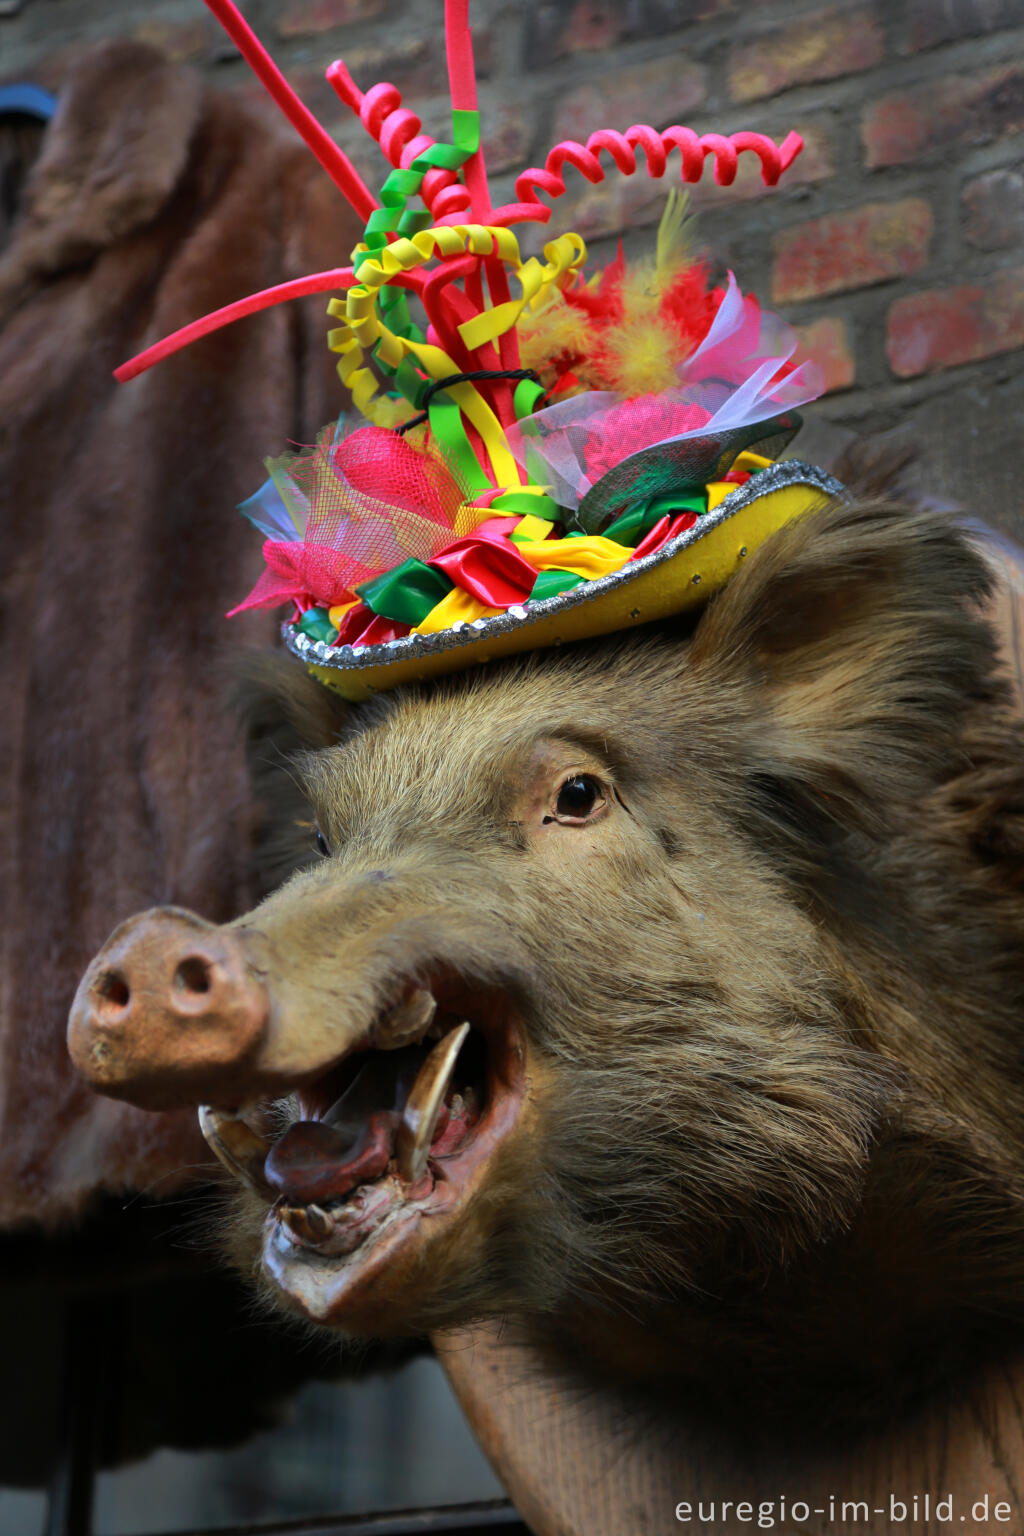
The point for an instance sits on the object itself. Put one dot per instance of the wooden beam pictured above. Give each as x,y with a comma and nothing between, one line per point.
576,1465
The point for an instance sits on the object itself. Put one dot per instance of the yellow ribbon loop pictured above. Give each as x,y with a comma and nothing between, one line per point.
363,329
590,557
458,606
564,255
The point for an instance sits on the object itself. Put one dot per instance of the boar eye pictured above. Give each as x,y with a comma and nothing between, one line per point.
322,844
578,797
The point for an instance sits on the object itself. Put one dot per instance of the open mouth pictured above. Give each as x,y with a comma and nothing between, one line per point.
377,1150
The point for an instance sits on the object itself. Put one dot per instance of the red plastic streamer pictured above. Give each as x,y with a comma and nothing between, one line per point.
664,531
297,288
330,155
622,147
489,569
361,626
462,85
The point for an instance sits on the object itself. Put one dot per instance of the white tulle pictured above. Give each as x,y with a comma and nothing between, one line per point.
732,375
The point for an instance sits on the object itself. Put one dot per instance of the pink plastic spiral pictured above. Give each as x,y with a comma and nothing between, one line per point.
693,149
397,130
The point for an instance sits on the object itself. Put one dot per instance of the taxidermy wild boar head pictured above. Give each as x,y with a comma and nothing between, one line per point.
662,991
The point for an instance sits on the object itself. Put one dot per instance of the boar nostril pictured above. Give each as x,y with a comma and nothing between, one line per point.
193,975
113,992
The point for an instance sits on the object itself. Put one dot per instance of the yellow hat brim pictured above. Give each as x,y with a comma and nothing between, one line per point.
679,576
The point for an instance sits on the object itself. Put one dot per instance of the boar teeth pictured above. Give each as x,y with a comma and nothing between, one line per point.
242,1152
310,1223
423,1106
408,1022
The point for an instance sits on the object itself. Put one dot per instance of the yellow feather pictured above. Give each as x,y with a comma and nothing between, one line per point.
554,329
675,237
641,359
640,351
640,294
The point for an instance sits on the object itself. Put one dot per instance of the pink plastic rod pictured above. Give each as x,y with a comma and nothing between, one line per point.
459,52
462,86
315,282
333,159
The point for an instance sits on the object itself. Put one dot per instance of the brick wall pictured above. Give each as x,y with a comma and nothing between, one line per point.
895,244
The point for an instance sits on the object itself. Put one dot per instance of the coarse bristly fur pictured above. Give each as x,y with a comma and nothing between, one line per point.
779,1133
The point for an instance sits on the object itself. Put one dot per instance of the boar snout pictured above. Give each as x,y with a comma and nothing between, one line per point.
169,1012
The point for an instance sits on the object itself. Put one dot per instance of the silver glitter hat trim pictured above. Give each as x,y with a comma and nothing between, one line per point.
347,658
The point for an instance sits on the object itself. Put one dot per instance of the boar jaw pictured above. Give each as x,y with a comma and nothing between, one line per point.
355,1260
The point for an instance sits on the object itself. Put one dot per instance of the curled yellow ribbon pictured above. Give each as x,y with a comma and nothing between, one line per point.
363,328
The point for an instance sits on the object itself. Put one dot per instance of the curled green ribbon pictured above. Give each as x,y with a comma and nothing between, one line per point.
394,216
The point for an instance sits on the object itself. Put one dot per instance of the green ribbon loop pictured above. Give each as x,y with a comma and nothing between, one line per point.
450,435
550,583
636,524
693,499
525,397
393,216
405,182
316,624
406,594
410,381
413,220
524,505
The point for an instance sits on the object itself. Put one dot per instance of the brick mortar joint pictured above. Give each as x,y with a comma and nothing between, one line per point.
898,74
1003,368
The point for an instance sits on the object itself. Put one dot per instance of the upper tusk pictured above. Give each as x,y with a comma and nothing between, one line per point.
242,1152
423,1106
407,1022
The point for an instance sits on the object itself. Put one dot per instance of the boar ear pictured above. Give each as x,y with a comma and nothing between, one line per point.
852,646
286,713
278,699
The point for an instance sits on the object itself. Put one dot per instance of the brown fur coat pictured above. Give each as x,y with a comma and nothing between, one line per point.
153,200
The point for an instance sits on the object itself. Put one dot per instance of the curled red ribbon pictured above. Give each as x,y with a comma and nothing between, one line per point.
490,569
665,528
361,626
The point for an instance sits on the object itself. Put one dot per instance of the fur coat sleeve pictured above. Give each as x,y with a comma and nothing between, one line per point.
153,200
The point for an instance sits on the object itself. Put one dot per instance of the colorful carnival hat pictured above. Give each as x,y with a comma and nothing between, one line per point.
542,457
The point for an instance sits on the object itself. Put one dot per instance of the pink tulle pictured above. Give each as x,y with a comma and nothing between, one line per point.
371,501
633,425
307,573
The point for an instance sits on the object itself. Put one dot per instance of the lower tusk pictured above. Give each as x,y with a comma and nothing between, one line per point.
309,1223
423,1106
242,1152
